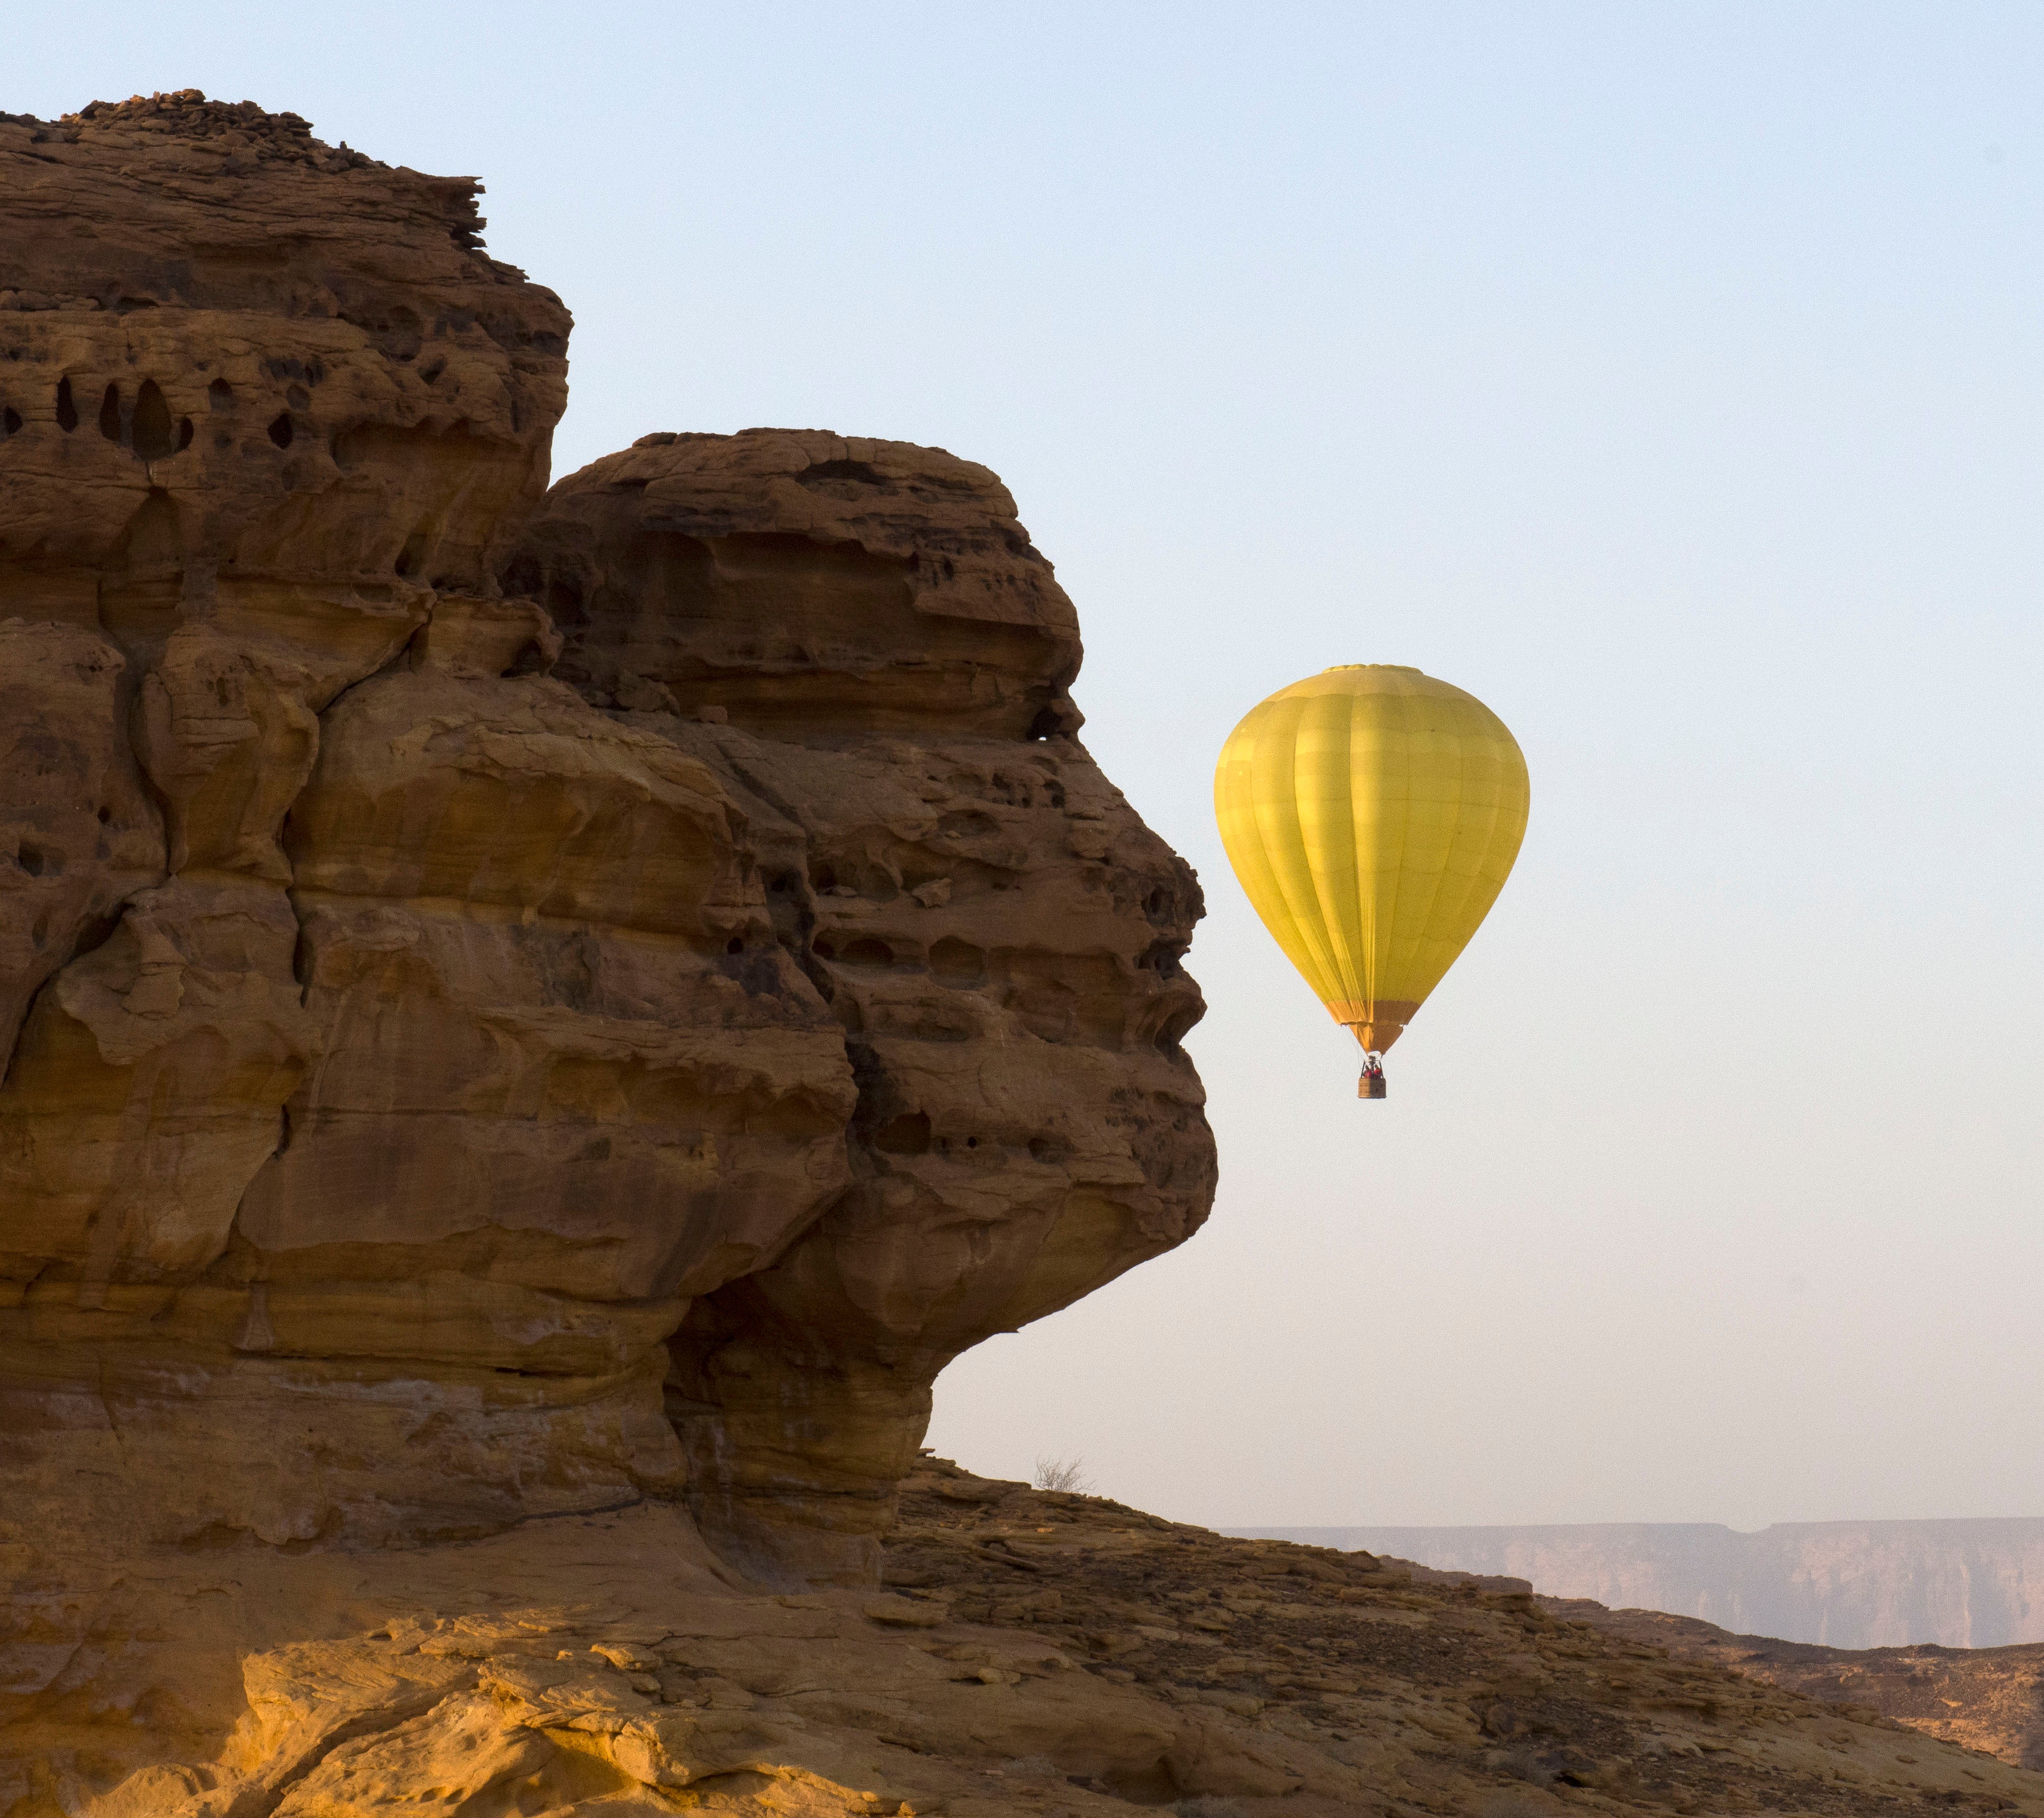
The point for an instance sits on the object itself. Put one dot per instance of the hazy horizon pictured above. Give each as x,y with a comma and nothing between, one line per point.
1961,1583
1669,379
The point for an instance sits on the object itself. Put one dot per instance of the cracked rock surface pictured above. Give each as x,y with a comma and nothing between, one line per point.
1034,1654
1987,1699
512,1005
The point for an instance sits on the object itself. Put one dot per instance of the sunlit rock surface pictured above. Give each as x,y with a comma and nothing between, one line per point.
512,1007
535,1025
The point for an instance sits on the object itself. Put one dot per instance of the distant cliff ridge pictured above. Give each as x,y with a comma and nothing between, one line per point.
1844,1584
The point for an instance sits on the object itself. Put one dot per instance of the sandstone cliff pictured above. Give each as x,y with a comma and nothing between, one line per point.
534,1024
509,1011
407,1043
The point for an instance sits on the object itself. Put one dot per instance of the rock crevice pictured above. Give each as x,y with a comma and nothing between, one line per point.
515,1001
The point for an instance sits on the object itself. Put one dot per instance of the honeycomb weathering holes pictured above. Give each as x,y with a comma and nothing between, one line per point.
151,431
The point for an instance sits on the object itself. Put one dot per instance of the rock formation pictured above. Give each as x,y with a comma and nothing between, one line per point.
269,416
1989,1700
440,1091
417,1050
857,642
535,1024
1970,1584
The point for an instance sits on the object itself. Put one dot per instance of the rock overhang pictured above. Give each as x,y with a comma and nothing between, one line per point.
515,1002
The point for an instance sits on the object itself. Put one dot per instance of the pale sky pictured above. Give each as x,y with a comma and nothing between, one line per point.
1668,375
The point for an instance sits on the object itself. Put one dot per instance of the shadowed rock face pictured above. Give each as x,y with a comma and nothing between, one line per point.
512,1007
858,640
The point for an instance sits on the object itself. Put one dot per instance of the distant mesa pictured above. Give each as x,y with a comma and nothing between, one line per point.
1844,1584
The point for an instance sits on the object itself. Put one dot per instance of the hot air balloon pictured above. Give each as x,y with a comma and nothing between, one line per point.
1372,814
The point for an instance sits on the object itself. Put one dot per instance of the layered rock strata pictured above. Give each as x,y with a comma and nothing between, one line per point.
858,640
512,1009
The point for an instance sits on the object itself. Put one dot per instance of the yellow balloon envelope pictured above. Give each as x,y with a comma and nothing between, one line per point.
1372,814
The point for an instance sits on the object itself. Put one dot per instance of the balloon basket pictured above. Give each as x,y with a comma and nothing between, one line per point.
1371,1085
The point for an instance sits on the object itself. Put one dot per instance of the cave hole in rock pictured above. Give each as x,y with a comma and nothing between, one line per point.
109,413
402,335
412,558
291,367
280,430
10,423
397,334
908,1134
220,395
826,949
957,963
39,862
1043,1149
734,945
862,472
1169,1039
783,883
185,433
531,660
966,823
866,951
153,431
66,407
523,576
1161,957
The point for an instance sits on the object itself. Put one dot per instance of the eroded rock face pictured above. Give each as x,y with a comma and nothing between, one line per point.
511,1008
994,933
807,584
